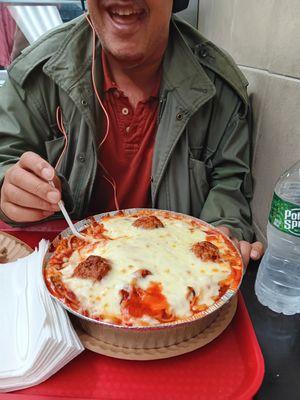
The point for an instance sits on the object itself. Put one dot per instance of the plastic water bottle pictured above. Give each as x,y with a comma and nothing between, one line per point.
278,279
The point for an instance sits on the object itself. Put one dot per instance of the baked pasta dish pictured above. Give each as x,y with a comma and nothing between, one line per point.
143,268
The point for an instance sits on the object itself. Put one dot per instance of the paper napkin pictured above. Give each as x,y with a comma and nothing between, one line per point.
36,335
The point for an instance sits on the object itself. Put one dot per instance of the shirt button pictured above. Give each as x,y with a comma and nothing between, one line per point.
125,111
127,129
83,102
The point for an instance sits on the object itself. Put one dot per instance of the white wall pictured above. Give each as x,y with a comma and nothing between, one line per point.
263,36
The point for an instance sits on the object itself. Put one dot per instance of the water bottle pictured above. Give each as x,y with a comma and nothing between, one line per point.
278,279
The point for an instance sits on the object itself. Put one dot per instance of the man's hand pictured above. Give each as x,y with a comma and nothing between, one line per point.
26,195
248,250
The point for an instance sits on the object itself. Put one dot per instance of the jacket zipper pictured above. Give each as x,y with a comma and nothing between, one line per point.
162,103
161,107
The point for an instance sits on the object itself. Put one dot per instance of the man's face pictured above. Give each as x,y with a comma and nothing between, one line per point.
132,31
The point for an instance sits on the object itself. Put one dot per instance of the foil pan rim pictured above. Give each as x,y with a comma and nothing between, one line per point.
80,225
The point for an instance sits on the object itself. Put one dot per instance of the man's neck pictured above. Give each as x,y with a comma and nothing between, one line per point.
137,82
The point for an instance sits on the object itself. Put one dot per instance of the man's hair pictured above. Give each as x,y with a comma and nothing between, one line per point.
180,5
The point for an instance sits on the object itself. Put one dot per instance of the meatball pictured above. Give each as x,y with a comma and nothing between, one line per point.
207,251
94,267
148,222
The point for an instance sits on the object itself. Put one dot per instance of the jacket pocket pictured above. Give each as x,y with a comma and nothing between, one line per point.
199,186
54,149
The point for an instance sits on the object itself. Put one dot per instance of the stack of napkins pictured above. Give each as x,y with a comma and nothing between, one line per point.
36,336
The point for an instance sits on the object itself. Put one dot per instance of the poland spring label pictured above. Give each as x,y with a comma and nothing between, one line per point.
285,216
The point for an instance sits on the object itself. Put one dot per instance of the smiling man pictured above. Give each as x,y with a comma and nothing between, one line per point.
177,108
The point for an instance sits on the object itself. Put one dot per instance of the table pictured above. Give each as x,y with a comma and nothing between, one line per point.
279,338
278,335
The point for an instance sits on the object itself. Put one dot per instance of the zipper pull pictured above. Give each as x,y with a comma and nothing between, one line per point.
162,102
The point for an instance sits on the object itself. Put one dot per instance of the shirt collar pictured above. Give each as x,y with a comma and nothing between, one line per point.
109,84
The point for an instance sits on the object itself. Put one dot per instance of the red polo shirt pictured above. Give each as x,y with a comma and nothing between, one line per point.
128,150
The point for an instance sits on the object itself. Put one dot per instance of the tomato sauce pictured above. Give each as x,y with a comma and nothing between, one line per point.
139,302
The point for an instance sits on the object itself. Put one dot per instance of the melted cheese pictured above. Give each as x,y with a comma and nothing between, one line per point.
166,252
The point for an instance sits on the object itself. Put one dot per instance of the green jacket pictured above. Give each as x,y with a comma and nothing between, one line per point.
202,149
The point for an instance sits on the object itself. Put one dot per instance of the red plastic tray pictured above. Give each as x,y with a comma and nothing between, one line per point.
230,367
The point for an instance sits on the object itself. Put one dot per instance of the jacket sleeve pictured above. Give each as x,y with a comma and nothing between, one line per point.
21,129
230,180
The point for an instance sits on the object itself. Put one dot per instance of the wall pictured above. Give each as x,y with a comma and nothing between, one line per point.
263,36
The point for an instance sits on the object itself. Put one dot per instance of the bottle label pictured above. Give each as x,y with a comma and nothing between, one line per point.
285,216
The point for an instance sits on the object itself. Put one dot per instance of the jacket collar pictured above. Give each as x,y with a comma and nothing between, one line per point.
183,73
70,67
71,63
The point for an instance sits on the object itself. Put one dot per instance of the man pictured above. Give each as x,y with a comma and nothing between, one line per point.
177,106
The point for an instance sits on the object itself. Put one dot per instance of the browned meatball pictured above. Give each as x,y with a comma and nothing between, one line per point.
206,251
148,222
94,267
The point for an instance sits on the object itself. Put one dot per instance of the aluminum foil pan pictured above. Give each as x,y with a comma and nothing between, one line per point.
146,337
